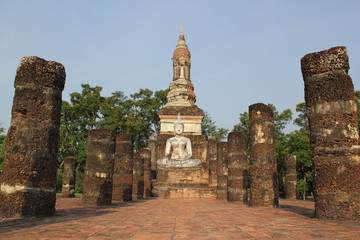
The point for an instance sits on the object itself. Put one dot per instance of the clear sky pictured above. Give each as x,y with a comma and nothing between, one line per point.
243,52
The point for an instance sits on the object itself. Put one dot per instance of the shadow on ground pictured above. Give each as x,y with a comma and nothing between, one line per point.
67,210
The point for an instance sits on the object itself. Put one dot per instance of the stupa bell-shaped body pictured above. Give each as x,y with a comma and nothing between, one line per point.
181,91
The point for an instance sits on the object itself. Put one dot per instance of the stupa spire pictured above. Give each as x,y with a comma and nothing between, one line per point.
181,42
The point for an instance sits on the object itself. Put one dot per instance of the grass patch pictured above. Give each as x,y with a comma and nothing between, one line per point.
78,195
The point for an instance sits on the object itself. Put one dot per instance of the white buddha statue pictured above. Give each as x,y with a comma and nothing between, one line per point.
181,150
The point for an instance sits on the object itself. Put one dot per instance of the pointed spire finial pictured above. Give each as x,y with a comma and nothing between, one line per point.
181,42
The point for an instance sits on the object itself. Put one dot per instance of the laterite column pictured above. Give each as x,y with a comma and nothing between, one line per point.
99,167
153,152
212,159
123,168
291,176
146,155
28,181
263,168
68,178
222,170
138,177
334,133
237,167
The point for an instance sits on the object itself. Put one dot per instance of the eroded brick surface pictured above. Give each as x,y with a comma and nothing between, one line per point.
123,168
291,176
138,177
334,133
28,180
222,170
99,167
68,177
263,170
237,164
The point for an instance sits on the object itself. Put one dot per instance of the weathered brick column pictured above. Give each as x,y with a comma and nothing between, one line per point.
123,168
146,155
68,178
291,176
153,148
222,170
237,162
138,177
99,167
212,159
263,169
28,181
334,133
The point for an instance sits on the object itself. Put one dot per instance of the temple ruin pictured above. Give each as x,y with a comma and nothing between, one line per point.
28,181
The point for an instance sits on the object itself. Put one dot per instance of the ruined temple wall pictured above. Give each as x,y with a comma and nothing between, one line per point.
68,178
263,168
99,167
222,170
334,133
291,177
237,163
138,177
212,160
28,181
123,168
146,155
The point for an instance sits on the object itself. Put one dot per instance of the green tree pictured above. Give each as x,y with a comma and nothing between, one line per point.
136,114
209,128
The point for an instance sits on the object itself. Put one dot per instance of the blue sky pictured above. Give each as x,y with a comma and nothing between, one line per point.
243,52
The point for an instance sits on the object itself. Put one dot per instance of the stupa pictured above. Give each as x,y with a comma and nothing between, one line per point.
181,97
182,182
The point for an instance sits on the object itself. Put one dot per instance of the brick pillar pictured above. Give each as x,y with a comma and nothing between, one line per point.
99,167
263,169
146,155
28,181
212,159
153,151
138,177
123,168
222,170
334,133
237,167
291,176
68,178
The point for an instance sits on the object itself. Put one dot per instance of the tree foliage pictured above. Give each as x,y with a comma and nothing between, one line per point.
209,128
135,114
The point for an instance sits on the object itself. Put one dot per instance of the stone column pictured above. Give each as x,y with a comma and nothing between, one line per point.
28,181
263,168
237,162
68,178
334,133
222,170
153,151
138,177
291,177
212,159
123,168
99,167
146,155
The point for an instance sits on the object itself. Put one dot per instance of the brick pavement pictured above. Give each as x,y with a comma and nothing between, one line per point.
156,218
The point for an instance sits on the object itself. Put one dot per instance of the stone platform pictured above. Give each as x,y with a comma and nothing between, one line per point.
157,218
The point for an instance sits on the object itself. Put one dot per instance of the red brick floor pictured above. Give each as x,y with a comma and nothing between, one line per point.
156,218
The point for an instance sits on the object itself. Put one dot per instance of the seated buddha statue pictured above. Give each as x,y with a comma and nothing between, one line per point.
181,156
